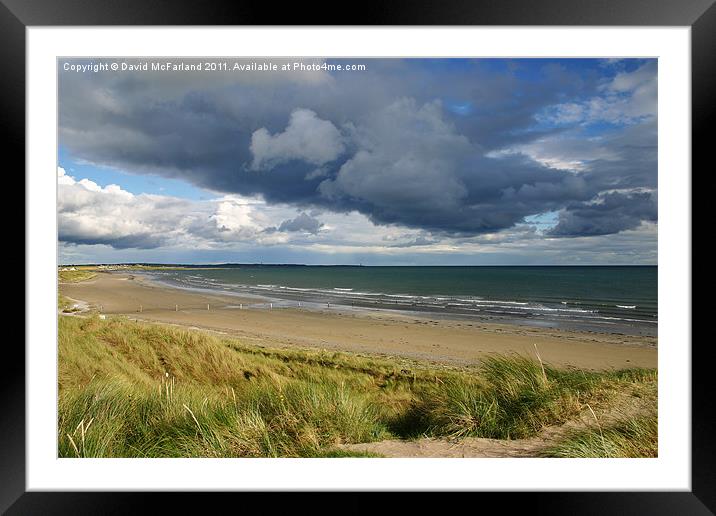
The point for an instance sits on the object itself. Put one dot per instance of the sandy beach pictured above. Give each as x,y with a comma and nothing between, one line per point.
369,332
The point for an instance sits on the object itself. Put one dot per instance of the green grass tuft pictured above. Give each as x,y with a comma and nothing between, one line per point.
512,398
628,438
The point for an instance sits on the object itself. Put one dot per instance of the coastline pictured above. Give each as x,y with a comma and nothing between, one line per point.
375,332
432,292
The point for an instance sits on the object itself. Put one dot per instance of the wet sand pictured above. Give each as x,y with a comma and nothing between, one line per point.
363,331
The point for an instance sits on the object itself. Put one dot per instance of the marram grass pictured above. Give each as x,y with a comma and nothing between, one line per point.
628,438
512,398
130,389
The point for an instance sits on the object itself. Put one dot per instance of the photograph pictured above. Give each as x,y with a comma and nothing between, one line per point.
357,257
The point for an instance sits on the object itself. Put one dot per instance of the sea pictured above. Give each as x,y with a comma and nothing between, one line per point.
611,299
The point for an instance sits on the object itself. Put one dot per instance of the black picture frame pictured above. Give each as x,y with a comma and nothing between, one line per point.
700,15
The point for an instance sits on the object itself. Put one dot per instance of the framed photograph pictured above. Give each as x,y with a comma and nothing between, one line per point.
423,252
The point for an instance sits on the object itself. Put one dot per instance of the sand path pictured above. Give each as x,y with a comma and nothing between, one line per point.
622,407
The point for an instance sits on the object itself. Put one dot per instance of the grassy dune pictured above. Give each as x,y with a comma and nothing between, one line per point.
63,303
76,275
129,389
629,437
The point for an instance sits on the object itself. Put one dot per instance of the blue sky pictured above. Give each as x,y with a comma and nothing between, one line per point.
134,183
420,161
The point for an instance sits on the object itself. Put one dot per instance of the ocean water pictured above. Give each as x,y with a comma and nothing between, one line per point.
608,299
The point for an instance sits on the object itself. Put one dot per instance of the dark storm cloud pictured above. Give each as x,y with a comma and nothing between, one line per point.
420,240
634,159
138,241
303,222
614,212
386,142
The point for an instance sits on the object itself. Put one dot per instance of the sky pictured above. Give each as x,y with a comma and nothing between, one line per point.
398,162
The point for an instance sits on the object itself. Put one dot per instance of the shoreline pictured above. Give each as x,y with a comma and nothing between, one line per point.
552,309
379,332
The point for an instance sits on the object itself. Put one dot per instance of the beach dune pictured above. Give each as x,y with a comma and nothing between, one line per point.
361,331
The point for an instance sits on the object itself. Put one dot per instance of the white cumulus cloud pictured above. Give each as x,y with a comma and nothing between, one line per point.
306,138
